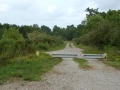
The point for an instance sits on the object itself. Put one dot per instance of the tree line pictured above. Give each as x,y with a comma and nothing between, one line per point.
67,33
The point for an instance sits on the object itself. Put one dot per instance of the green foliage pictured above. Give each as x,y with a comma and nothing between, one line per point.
12,33
93,22
100,29
11,44
115,37
46,29
80,30
67,33
19,41
28,29
92,12
43,46
70,32
1,32
29,68
76,40
89,49
110,50
43,41
114,63
58,47
57,31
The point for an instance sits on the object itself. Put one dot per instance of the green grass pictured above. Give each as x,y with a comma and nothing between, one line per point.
82,63
89,49
113,61
59,47
115,64
113,57
28,68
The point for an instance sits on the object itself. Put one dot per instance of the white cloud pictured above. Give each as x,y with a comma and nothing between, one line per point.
70,11
50,12
4,7
52,8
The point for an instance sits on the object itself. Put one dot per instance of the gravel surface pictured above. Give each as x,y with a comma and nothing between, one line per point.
68,76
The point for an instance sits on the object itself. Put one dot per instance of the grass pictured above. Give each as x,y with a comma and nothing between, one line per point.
28,68
115,64
113,58
89,49
113,61
59,47
82,63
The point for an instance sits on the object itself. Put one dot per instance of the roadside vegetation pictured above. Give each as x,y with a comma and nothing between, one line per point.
14,44
27,68
113,56
82,63
100,33
59,47
18,46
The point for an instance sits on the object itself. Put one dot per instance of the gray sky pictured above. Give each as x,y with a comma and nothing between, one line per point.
50,12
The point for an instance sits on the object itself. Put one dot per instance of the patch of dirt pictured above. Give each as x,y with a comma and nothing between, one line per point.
56,72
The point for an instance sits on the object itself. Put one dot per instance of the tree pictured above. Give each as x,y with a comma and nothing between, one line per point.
91,12
79,31
46,29
6,26
70,32
56,30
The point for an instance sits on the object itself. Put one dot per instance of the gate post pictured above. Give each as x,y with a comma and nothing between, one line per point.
105,56
37,53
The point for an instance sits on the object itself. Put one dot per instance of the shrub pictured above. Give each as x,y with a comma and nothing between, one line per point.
43,46
44,41
11,44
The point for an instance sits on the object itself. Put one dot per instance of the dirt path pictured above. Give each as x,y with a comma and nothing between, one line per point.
67,76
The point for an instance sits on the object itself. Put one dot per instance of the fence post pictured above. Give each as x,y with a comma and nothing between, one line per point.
37,53
105,56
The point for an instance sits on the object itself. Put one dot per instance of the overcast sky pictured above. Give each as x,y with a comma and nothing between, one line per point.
50,12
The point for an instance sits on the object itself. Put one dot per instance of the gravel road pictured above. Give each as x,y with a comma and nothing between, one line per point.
68,76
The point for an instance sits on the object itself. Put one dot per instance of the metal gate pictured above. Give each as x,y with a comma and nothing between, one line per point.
86,56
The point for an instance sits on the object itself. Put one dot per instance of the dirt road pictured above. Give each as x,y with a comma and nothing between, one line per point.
68,76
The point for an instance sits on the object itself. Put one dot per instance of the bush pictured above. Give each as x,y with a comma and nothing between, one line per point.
11,44
112,50
43,46
44,41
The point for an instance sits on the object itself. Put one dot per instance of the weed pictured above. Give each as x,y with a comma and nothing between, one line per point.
82,63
